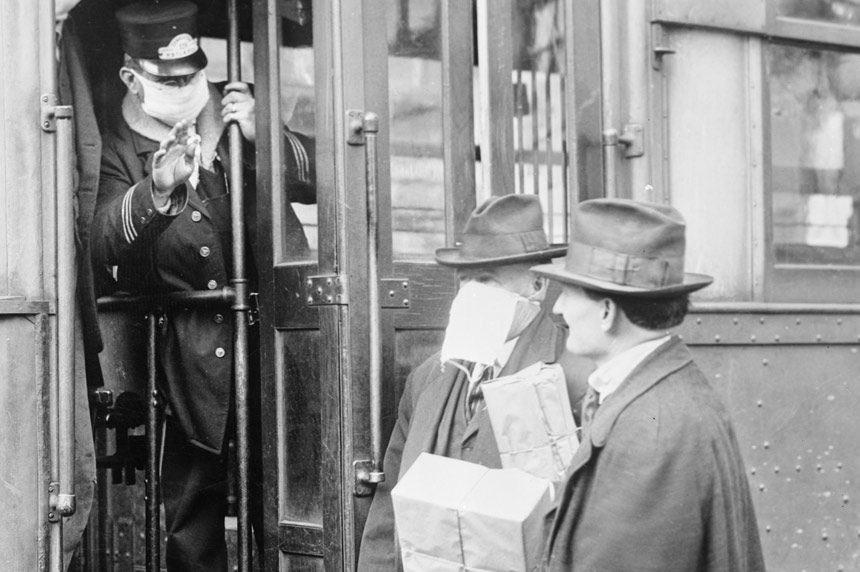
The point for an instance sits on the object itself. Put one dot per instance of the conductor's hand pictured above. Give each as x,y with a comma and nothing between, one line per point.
173,163
238,105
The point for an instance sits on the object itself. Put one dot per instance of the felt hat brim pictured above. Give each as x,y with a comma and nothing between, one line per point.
454,257
691,283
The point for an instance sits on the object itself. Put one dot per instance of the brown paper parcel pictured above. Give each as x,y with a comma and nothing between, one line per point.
453,515
532,420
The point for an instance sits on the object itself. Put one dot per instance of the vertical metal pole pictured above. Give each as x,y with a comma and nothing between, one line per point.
371,128
610,64
550,206
151,485
240,306
66,277
535,144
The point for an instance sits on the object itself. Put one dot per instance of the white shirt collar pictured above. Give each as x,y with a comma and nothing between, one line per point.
608,377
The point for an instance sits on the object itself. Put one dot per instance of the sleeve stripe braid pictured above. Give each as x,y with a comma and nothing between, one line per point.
300,154
127,223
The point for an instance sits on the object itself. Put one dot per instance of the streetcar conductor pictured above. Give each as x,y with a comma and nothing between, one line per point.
163,220
658,482
442,410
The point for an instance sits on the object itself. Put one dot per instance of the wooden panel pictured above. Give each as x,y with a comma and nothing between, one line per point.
736,14
795,412
710,124
20,160
432,287
20,396
495,64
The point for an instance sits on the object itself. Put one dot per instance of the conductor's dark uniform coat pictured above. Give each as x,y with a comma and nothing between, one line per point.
424,424
185,250
657,483
188,250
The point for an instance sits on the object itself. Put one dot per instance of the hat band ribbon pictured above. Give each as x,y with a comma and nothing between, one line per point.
480,246
624,269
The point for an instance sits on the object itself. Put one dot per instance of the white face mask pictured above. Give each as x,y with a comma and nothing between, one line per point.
170,103
482,319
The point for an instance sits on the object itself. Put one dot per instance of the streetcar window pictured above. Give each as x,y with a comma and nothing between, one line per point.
815,143
833,11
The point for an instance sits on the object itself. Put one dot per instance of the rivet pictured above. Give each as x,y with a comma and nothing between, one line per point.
391,293
752,471
319,289
776,338
766,444
797,468
329,299
797,321
824,535
761,320
310,282
818,467
761,487
759,403
717,338
799,531
839,322
46,124
405,285
735,321
698,321
752,338
155,393
845,499
776,470
838,466
328,280
50,515
405,302
764,362
818,338
767,528
310,299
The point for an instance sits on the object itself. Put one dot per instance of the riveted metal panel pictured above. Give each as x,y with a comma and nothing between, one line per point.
794,409
766,329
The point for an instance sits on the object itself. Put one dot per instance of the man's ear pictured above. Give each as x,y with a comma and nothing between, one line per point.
127,77
609,320
540,285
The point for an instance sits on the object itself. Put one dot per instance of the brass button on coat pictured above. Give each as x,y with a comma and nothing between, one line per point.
211,284
204,251
219,352
219,318
196,216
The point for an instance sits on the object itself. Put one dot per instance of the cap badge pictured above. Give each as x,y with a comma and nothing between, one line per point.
179,47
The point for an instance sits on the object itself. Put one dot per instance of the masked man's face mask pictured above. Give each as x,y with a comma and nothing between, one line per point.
483,318
173,103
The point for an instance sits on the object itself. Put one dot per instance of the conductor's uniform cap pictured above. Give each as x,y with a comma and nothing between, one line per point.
162,37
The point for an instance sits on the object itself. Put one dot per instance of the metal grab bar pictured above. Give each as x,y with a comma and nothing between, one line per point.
152,486
375,473
190,299
66,278
240,305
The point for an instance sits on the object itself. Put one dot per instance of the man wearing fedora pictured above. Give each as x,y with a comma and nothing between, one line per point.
658,482
163,219
498,326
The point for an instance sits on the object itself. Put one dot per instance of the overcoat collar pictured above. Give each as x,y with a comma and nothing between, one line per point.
665,360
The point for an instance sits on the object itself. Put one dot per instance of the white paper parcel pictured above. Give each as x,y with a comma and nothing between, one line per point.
532,420
454,515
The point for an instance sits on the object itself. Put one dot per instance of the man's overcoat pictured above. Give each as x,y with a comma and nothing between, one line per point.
658,483
184,251
422,407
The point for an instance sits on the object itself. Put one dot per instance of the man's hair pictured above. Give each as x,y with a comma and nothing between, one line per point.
649,313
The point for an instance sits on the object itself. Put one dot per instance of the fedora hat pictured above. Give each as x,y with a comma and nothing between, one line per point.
626,247
502,230
162,37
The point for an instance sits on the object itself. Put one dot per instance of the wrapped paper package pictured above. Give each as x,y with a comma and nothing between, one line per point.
532,420
452,515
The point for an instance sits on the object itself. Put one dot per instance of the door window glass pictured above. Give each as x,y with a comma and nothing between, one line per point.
815,142
834,11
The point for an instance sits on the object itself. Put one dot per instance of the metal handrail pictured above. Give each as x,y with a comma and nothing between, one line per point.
240,305
371,129
188,299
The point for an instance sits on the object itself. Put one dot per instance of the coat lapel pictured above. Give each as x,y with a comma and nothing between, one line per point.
666,359
427,415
